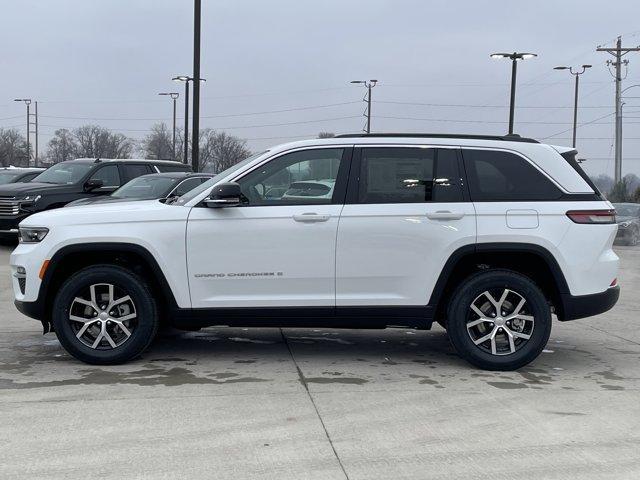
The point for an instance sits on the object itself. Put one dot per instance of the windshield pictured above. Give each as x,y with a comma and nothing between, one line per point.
146,188
64,173
210,183
627,210
7,177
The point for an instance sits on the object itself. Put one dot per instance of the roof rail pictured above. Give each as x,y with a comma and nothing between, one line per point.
504,138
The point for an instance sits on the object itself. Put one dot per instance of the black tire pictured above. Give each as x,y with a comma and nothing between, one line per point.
460,314
128,284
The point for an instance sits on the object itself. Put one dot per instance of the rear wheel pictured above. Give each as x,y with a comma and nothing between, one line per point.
499,320
105,315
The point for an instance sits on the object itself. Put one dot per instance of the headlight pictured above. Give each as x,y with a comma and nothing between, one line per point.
32,234
625,224
29,200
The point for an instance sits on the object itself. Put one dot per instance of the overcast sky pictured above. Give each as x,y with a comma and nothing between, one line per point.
104,61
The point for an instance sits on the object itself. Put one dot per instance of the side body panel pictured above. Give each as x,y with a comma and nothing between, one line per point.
262,256
393,254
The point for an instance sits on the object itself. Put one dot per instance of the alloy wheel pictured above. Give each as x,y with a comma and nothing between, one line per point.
499,321
103,316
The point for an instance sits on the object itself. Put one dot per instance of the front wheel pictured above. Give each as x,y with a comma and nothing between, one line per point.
499,320
105,314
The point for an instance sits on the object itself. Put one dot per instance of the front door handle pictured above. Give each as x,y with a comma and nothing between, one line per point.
445,215
311,217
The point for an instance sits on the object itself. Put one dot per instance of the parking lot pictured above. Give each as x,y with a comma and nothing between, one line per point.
324,404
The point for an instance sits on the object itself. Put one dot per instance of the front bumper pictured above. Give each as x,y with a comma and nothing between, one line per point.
9,225
33,310
581,306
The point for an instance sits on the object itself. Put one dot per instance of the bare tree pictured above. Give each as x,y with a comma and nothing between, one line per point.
219,150
62,146
158,144
13,148
94,141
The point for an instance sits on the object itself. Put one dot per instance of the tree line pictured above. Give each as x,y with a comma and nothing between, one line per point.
218,150
626,190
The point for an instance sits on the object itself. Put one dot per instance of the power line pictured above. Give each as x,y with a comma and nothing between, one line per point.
263,112
580,125
303,122
468,105
496,122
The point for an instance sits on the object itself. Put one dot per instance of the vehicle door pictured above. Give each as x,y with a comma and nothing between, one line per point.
278,247
406,213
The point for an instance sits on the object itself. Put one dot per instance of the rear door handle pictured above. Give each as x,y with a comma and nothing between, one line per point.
445,215
311,218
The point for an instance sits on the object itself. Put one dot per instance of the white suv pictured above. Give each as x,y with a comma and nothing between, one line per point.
488,236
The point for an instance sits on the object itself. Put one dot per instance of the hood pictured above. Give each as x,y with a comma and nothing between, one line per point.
19,189
114,214
103,199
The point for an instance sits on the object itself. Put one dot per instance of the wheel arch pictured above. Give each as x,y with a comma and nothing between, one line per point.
534,261
73,258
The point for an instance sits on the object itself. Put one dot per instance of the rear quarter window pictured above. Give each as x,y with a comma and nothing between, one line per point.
495,176
173,168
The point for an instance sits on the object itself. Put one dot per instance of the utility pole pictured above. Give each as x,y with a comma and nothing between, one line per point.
195,144
174,96
576,74
618,52
369,85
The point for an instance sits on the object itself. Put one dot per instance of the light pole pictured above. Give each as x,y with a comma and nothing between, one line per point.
174,96
186,80
576,74
369,85
195,144
514,57
27,102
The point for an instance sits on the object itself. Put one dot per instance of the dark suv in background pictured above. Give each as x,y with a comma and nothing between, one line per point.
68,181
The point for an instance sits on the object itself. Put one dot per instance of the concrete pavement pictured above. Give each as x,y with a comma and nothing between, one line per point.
231,403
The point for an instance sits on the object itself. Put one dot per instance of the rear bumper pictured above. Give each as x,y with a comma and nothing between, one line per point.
581,306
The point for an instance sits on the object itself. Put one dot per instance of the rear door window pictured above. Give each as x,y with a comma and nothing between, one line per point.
408,175
136,170
173,168
496,176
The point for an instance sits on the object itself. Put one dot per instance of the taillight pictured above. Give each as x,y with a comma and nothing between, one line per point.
592,216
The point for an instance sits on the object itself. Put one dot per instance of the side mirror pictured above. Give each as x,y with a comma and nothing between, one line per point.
224,195
93,184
